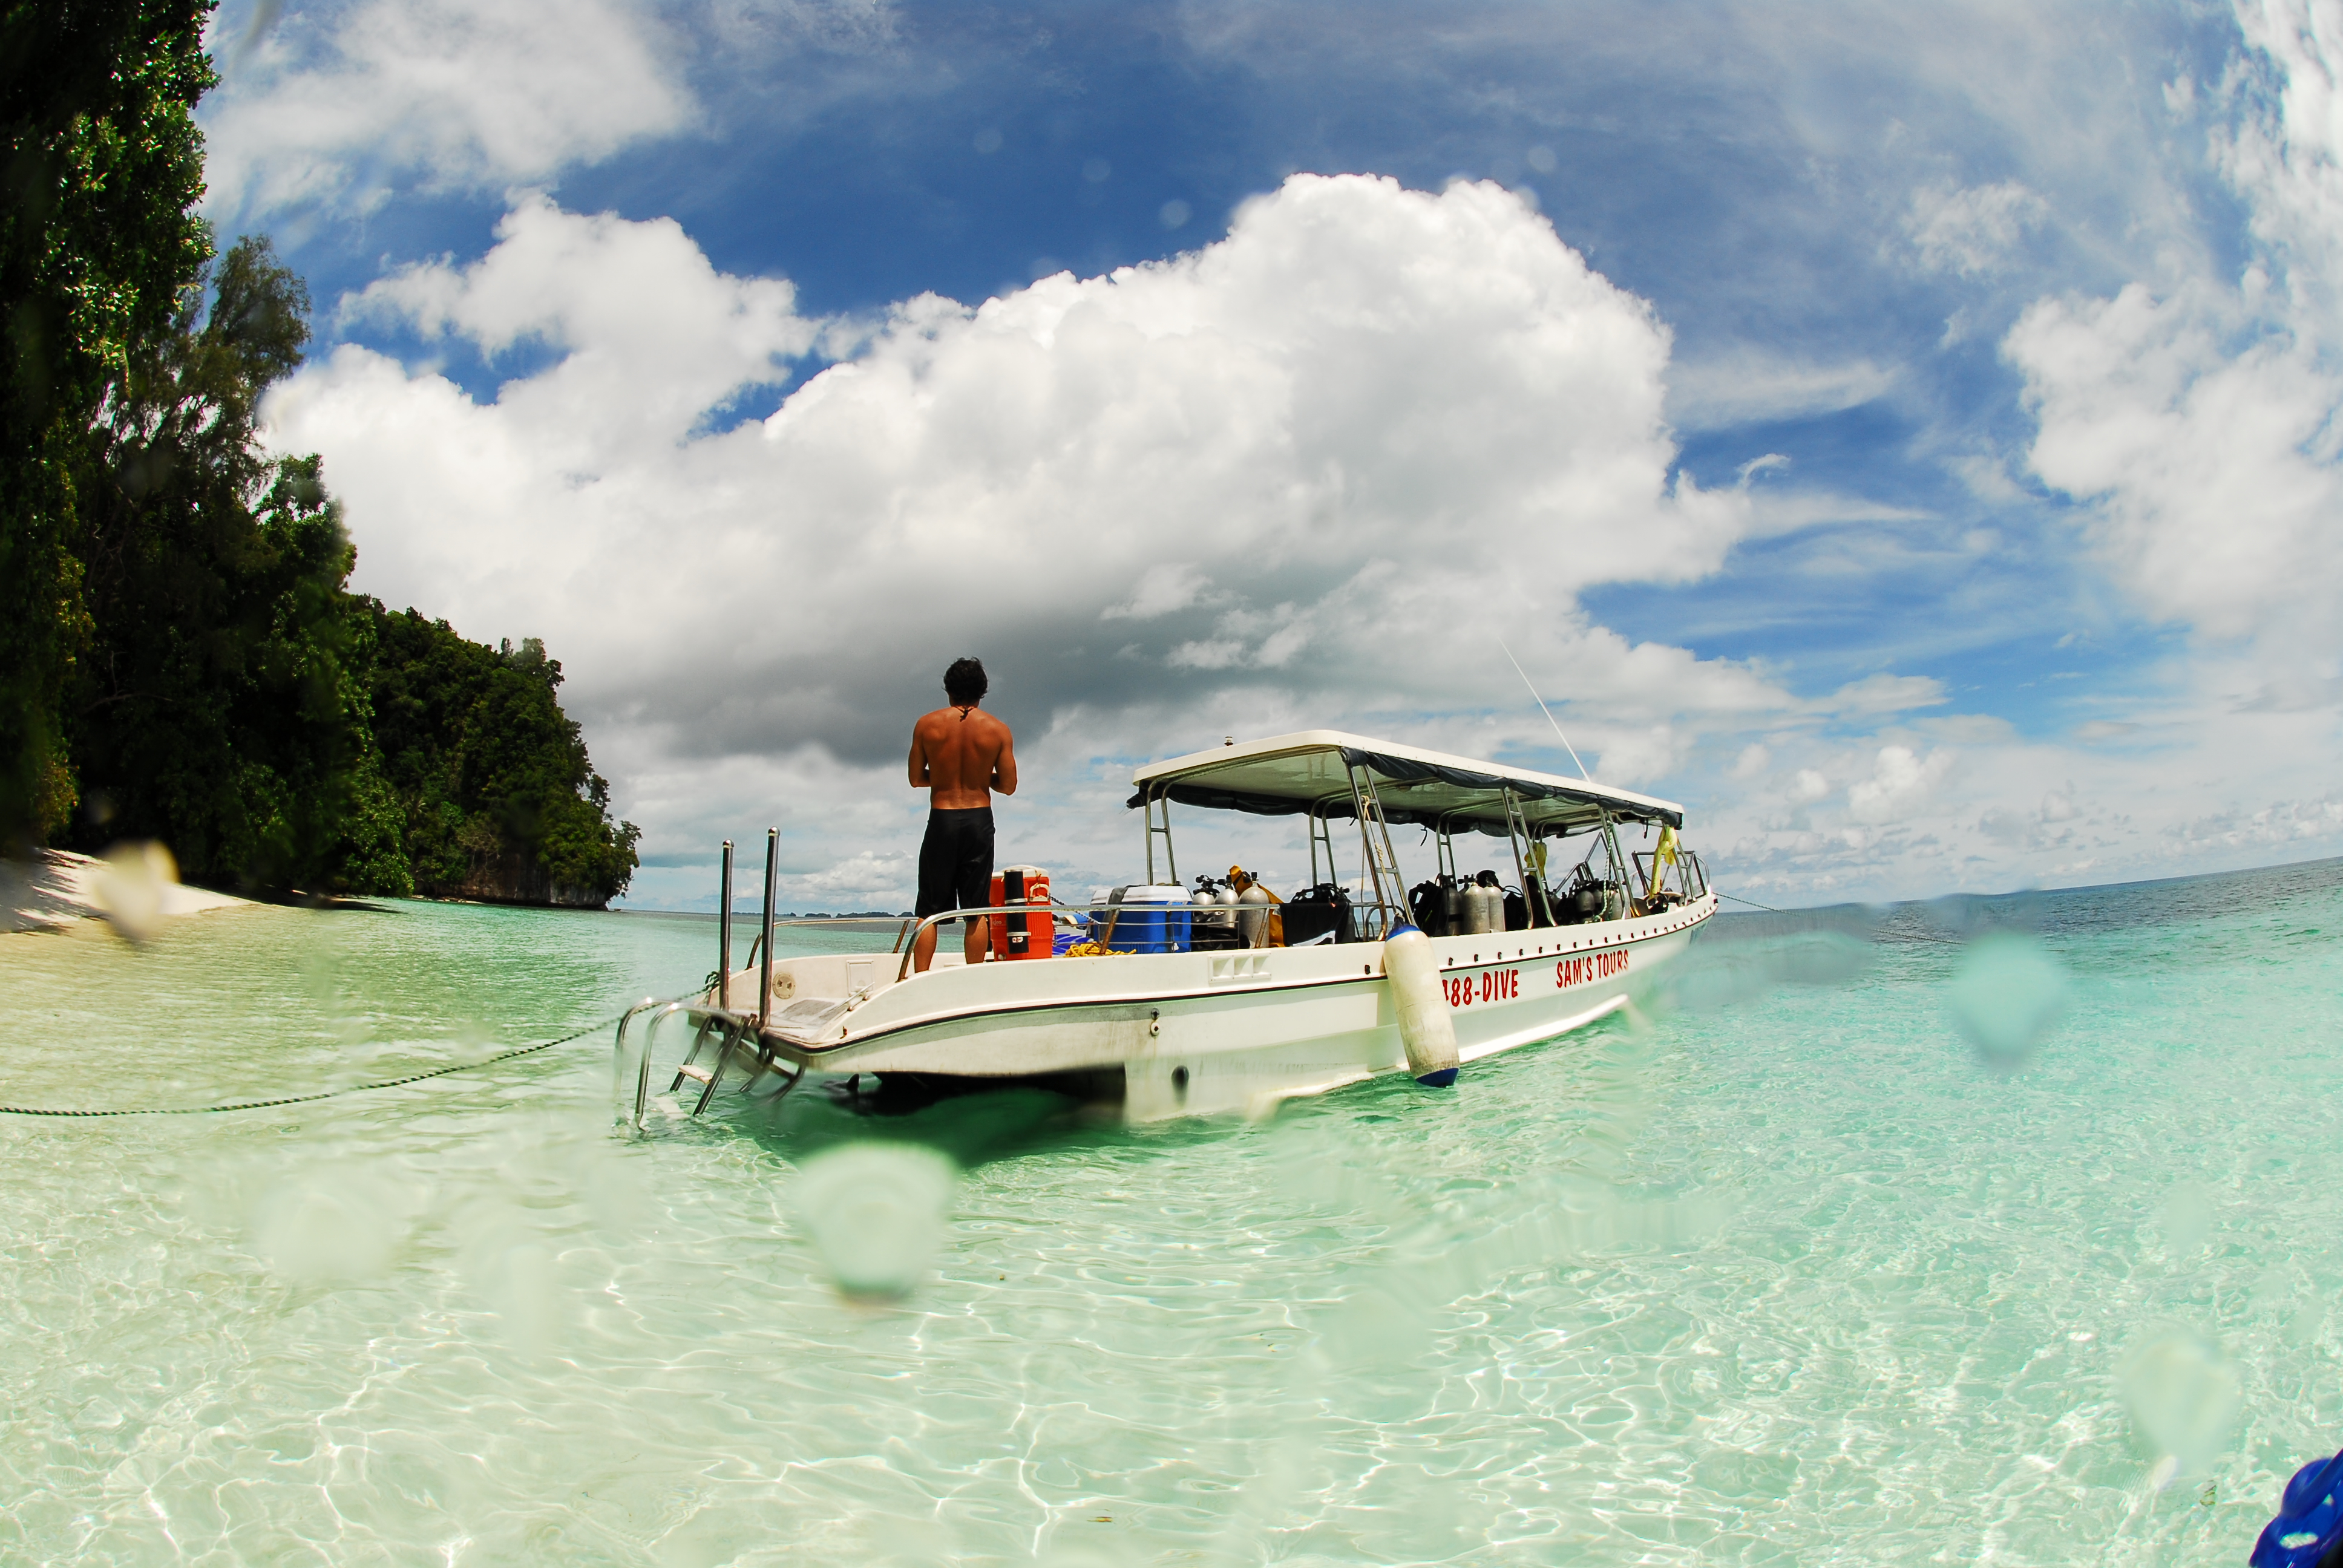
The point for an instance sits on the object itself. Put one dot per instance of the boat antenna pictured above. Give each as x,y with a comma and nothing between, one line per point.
1558,735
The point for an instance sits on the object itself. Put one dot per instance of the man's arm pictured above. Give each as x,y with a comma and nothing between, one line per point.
922,773
1004,766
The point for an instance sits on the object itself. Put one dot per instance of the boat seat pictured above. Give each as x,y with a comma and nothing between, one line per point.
810,1019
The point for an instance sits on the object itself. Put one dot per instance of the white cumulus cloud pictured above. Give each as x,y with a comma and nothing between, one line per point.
650,336
1378,414
1315,469
1900,783
2197,419
336,104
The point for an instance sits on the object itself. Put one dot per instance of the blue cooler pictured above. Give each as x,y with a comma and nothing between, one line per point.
1146,919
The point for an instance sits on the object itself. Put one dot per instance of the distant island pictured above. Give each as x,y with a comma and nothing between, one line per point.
180,656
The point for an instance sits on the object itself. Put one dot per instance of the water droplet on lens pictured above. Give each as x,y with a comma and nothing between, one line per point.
1096,170
2186,1215
1541,159
1378,1327
2006,993
876,1212
330,1227
2183,1396
988,140
1175,214
523,1286
133,887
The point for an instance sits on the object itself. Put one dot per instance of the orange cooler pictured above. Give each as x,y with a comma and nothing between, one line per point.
1025,935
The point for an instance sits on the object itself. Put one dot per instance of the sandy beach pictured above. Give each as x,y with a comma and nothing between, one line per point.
55,888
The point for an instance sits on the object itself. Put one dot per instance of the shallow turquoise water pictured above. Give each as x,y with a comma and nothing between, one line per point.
1781,1270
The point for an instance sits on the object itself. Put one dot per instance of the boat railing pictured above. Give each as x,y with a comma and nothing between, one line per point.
724,1028
907,939
719,996
621,1062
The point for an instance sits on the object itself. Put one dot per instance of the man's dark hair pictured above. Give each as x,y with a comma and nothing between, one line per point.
964,682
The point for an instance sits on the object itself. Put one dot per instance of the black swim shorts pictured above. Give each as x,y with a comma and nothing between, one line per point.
956,862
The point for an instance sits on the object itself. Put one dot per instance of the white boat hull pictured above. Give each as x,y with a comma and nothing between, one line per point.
1198,1033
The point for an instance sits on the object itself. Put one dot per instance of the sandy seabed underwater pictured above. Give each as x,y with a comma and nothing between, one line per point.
1784,1269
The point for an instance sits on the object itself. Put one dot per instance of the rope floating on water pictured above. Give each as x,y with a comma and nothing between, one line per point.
321,1094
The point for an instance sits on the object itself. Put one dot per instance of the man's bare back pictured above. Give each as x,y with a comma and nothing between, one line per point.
959,755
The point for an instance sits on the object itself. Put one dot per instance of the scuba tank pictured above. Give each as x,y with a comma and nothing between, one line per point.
1485,908
1259,918
1456,917
1253,914
1212,909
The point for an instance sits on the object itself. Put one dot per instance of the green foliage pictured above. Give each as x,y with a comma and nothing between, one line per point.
179,657
221,703
498,798
102,167
239,704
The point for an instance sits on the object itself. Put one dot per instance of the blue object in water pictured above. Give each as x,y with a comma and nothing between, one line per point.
1441,1079
2308,1530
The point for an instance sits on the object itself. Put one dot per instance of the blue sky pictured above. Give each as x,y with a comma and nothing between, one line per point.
1902,436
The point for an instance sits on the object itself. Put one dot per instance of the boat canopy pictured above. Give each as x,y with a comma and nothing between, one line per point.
1308,770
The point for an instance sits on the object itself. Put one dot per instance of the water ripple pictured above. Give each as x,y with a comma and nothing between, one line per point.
1781,1276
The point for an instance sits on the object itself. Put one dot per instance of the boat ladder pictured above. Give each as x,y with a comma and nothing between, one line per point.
718,1034
1382,864
727,1029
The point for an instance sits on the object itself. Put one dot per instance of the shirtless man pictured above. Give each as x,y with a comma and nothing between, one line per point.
959,755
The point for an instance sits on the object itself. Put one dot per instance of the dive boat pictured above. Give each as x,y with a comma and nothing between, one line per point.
1174,1010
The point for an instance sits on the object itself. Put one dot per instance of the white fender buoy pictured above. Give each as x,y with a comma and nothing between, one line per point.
1424,1026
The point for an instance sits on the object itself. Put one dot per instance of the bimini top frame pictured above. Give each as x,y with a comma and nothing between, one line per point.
1310,771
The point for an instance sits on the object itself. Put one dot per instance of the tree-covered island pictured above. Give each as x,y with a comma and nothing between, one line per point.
180,656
